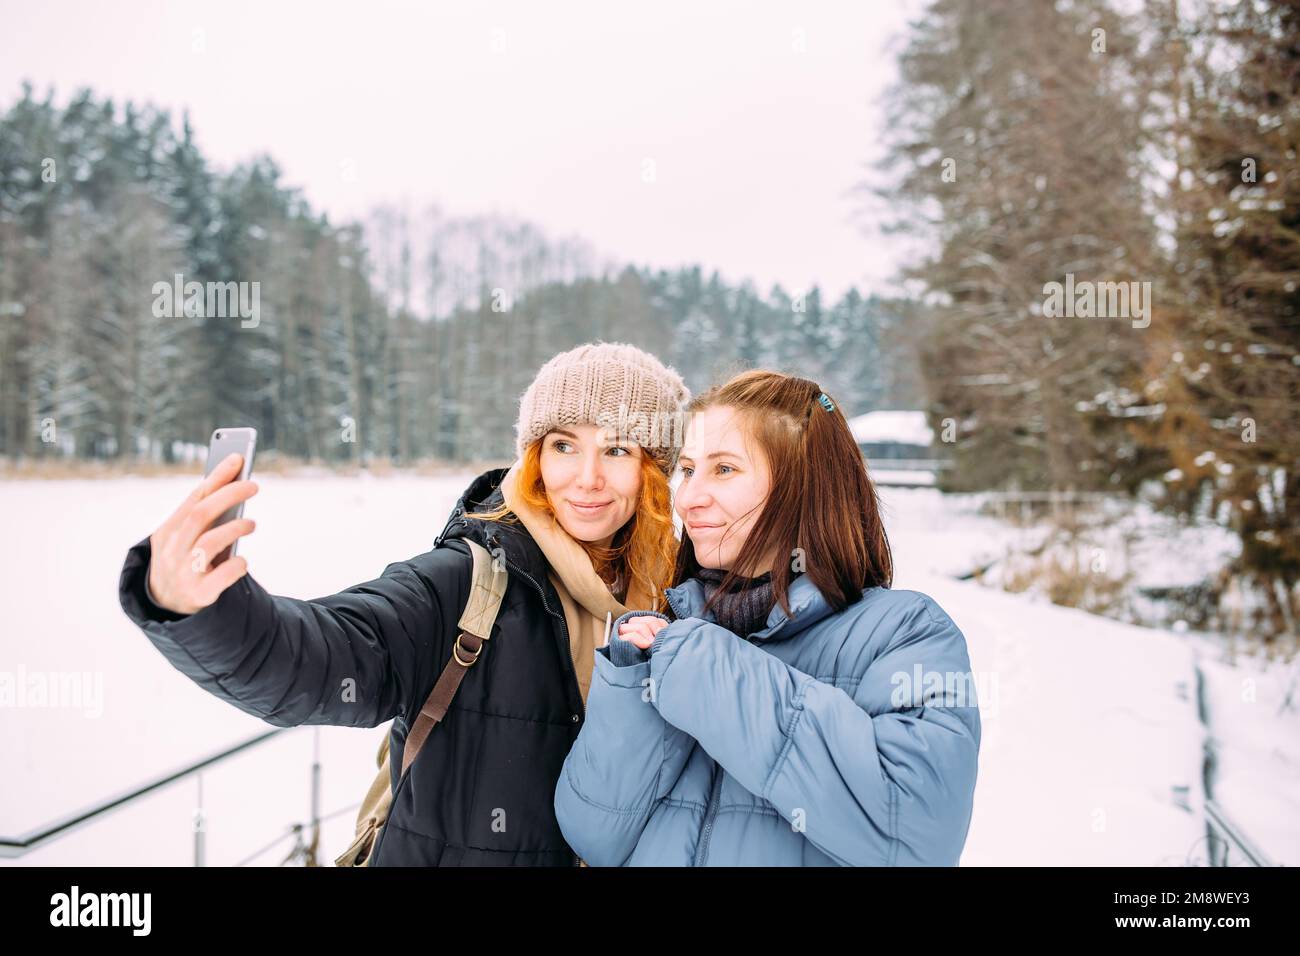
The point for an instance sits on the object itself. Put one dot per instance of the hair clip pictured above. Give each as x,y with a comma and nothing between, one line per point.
826,402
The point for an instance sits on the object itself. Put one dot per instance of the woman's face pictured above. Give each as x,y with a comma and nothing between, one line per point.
725,480
593,481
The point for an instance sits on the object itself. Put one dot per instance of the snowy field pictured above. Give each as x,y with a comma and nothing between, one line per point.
1092,747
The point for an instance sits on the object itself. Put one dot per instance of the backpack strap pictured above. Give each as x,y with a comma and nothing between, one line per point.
487,588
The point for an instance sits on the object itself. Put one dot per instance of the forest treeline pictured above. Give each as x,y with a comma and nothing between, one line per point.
409,336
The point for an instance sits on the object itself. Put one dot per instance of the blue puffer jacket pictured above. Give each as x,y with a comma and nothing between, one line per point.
827,738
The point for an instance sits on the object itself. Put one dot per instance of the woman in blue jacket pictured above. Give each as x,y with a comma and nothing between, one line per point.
793,709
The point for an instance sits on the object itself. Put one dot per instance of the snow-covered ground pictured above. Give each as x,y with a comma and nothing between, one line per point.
1092,747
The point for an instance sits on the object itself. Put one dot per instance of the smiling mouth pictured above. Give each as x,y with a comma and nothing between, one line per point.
589,509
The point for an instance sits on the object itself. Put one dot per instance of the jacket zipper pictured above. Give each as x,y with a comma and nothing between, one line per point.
564,629
702,853
541,593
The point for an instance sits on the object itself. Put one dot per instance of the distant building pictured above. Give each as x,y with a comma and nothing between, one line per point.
898,446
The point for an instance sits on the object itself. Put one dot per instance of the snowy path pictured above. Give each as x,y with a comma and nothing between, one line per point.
1091,739
1091,748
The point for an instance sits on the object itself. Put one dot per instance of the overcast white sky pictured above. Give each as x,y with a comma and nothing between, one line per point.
547,111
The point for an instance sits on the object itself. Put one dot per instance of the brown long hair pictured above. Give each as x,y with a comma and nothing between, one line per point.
642,550
821,499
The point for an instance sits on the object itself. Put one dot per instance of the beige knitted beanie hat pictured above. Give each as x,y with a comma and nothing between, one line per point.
610,384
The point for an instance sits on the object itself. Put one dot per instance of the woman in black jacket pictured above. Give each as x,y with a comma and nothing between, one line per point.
583,523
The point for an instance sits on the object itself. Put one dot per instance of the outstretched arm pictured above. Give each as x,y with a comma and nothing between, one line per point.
356,658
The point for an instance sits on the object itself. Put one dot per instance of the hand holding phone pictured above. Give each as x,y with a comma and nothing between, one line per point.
192,553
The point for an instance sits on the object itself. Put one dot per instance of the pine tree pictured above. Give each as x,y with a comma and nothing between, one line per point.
1018,137
1227,375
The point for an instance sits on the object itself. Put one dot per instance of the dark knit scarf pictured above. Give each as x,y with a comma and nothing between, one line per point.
744,607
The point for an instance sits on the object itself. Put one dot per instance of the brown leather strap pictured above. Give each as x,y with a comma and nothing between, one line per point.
463,655
487,587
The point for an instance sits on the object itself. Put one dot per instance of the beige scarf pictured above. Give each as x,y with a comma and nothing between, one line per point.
584,597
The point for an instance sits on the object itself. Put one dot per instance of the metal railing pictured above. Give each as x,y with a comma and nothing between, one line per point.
304,850
1226,836
907,464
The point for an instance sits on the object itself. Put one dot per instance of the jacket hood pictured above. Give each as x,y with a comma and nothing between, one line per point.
484,494
807,605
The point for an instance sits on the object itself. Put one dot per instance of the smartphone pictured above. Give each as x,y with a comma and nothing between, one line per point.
223,442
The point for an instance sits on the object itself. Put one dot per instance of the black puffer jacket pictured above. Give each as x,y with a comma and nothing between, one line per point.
482,790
